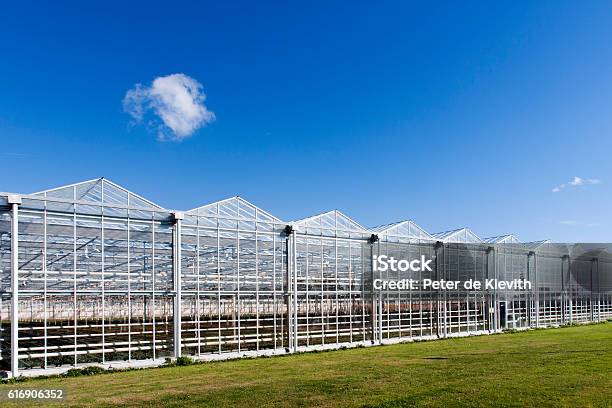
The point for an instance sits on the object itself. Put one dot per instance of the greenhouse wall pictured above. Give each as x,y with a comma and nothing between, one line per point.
92,273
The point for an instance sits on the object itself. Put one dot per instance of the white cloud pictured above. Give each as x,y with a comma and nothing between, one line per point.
576,181
176,101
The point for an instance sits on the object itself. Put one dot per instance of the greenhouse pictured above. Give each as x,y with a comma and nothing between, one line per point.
92,273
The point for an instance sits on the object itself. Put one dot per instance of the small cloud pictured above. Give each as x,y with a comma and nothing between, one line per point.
579,223
177,103
576,181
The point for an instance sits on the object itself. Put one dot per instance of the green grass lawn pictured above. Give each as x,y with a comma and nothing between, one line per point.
557,367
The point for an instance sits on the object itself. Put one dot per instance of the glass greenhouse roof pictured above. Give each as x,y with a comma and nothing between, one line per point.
406,228
461,235
502,239
333,220
102,191
234,208
99,191
536,244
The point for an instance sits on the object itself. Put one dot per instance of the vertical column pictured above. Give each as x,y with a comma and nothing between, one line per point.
198,305
536,290
598,291
102,271
45,297
563,284
437,247
103,278
380,312
530,295
257,304
566,302
14,201
494,306
489,308
129,281
74,277
295,291
373,307
218,283
236,311
153,305
336,282
591,292
376,312
591,312
563,289
287,287
176,266
571,294
289,291
274,289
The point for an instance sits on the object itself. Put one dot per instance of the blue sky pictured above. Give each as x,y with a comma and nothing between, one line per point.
449,114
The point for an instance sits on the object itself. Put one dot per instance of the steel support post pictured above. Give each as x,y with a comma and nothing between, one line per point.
14,201
592,312
598,292
287,295
379,304
563,289
376,316
295,290
532,294
494,303
380,313
571,291
528,296
290,289
373,302
287,289
488,302
570,295
437,247
536,291
176,266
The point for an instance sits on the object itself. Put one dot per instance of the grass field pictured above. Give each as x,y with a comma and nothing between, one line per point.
557,367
